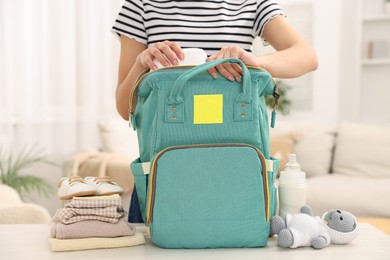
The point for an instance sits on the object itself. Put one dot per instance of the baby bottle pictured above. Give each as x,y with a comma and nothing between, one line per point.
292,188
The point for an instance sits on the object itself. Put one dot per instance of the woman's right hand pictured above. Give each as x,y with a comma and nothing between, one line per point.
166,52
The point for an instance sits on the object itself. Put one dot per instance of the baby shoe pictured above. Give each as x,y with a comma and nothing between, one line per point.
104,185
73,187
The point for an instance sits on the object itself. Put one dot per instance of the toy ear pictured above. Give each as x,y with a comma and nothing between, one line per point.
307,210
327,215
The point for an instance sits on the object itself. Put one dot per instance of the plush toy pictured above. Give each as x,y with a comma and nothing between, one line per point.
335,226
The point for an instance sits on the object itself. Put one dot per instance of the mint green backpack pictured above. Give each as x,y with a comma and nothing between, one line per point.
205,178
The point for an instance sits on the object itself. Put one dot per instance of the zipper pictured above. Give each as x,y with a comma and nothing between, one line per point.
153,138
133,98
153,177
133,92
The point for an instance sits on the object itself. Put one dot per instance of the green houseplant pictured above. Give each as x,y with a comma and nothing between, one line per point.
11,165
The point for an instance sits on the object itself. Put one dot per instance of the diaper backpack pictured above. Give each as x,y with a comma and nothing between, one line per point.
204,178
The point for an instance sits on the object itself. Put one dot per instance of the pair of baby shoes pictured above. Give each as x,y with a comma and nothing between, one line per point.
89,186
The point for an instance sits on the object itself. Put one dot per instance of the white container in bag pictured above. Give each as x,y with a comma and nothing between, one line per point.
292,188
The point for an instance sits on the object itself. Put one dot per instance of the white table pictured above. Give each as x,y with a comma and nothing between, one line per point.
31,242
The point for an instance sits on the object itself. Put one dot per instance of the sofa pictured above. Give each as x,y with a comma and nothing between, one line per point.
14,211
346,165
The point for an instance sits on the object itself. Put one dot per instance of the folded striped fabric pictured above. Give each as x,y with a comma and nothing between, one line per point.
103,208
110,214
94,202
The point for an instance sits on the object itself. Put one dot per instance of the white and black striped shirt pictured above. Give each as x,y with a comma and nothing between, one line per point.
206,24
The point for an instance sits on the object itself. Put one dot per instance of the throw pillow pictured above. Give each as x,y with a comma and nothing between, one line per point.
314,150
313,145
362,150
117,137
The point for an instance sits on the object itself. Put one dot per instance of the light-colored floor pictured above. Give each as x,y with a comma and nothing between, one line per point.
380,223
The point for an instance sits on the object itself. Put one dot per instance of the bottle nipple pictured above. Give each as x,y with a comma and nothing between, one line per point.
292,164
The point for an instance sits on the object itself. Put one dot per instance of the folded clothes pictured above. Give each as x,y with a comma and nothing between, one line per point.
110,214
57,245
90,228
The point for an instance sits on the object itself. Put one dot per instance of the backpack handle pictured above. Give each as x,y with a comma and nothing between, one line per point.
179,84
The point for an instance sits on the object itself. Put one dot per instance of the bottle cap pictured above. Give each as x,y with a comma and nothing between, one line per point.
292,171
292,164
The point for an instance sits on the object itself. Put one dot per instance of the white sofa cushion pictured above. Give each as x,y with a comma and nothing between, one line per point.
25,213
117,137
363,197
9,195
314,151
313,145
362,150
14,211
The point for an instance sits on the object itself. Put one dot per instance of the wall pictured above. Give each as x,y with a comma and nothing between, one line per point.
365,88
326,86
349,101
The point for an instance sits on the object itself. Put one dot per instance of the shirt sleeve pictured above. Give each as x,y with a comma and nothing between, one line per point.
266,11
130,21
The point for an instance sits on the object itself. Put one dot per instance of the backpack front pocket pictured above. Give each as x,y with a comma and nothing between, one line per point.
213,195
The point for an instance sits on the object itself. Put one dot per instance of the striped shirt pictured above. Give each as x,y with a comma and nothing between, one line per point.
205,24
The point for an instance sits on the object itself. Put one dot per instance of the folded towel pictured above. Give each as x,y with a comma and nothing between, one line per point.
90,228
57,245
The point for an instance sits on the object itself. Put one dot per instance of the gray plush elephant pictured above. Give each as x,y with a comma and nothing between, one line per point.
335,226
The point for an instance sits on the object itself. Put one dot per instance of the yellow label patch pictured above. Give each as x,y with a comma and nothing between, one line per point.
208,109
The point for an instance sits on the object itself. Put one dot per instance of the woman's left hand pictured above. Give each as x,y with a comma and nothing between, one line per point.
231,71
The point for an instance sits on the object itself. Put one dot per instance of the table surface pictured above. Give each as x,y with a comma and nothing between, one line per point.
31,242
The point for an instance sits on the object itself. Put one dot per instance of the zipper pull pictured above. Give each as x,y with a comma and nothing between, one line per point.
276,105
130,115
132,121
148,232
148,222
273,118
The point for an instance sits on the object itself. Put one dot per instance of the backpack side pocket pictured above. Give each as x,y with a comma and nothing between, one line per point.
141,178
272,172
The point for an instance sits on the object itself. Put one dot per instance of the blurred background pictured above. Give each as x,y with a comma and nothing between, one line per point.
58,73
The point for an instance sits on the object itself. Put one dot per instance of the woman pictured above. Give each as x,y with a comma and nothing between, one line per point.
151,30
223,28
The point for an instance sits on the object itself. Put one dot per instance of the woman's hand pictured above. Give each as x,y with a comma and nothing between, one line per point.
167,53
231,71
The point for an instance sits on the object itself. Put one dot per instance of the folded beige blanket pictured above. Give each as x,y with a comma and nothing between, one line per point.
57,245
90,228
